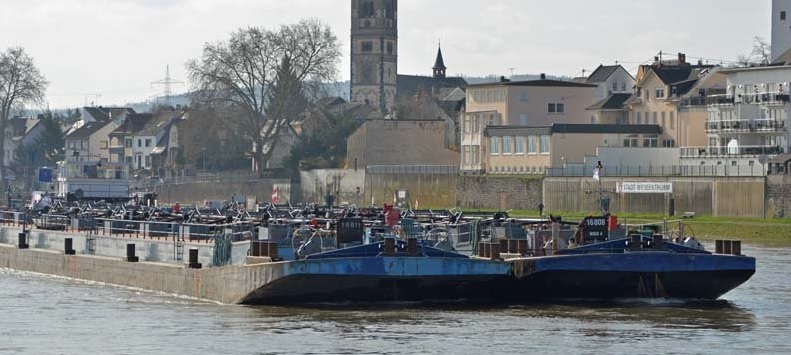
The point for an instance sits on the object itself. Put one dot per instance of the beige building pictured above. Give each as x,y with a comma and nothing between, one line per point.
665,95
526,103
532,150
399,142
90,142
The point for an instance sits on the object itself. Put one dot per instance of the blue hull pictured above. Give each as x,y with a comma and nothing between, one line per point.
364,276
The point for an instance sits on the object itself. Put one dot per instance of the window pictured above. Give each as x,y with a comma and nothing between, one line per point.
129,160
663,119
367,47
660,93
465,154
623,86
668,143
148,160
492,120
148,142
639,118
476,151
520,145
103,145
630,142
614,86
507,145
523,95
128,142
139,143
465,127
366,9
71,144
389,47
544,144
672,120
523,119
531,145
556,108
476,124
656,121
494,146
650,142
782,15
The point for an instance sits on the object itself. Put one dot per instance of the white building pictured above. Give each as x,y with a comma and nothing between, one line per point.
749,124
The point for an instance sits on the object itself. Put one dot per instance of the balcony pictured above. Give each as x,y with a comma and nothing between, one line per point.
778,98
730,152
762,126
119,149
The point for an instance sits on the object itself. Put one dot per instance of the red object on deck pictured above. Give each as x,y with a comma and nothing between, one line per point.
392,217
612,223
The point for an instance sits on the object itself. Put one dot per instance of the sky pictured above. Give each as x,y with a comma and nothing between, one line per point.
111,51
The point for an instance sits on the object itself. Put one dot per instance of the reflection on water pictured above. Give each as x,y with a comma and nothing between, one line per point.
92,318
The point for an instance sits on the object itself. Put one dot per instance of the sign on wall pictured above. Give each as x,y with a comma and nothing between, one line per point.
644,188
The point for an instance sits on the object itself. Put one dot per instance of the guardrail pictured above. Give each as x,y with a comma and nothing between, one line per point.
660,171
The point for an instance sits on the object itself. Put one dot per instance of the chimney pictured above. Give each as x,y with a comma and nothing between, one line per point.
543,76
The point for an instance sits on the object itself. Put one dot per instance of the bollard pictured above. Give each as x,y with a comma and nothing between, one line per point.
635,241
718,246
193,259
727,247
130,253
271,250
522,246
389,246
68,244
658,242
736,247
495,251
23,241
411,246
255,248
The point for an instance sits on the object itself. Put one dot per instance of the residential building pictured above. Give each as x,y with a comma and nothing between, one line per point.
122,138
374,53
100,113
533,103
154,139
611,79
660,88
534,149
748,124
90,142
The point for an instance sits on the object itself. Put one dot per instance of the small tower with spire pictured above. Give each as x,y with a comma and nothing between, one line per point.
439,65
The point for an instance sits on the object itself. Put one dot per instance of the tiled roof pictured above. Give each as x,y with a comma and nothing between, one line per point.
614,102
408,85
88,129
540,82
132,124
498,131
602,73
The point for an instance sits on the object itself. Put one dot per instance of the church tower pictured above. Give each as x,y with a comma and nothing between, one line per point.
439,65
374,53
781,27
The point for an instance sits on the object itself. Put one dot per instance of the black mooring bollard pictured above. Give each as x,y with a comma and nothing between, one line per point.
68,244
23,241
130,253
193,259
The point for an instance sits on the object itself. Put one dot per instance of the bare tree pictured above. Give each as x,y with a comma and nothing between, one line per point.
20,83
762,51
244,70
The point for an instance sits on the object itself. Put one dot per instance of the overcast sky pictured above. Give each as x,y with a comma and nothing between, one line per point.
116,48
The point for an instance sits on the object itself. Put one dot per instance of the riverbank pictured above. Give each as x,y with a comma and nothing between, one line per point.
768,232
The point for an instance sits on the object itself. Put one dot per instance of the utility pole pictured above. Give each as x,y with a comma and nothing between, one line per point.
166,83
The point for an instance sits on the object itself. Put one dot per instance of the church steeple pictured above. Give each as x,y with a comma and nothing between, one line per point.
439,65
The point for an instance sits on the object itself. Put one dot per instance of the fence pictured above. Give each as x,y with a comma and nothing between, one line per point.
412,169
661,171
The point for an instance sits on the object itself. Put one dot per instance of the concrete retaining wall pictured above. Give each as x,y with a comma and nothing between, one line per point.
347,185
778,192
481,192
197,192
430,190
731,196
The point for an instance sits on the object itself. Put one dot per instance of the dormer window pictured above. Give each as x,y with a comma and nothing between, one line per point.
782,15
660,93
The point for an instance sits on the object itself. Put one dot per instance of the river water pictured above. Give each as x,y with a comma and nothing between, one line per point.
42,314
